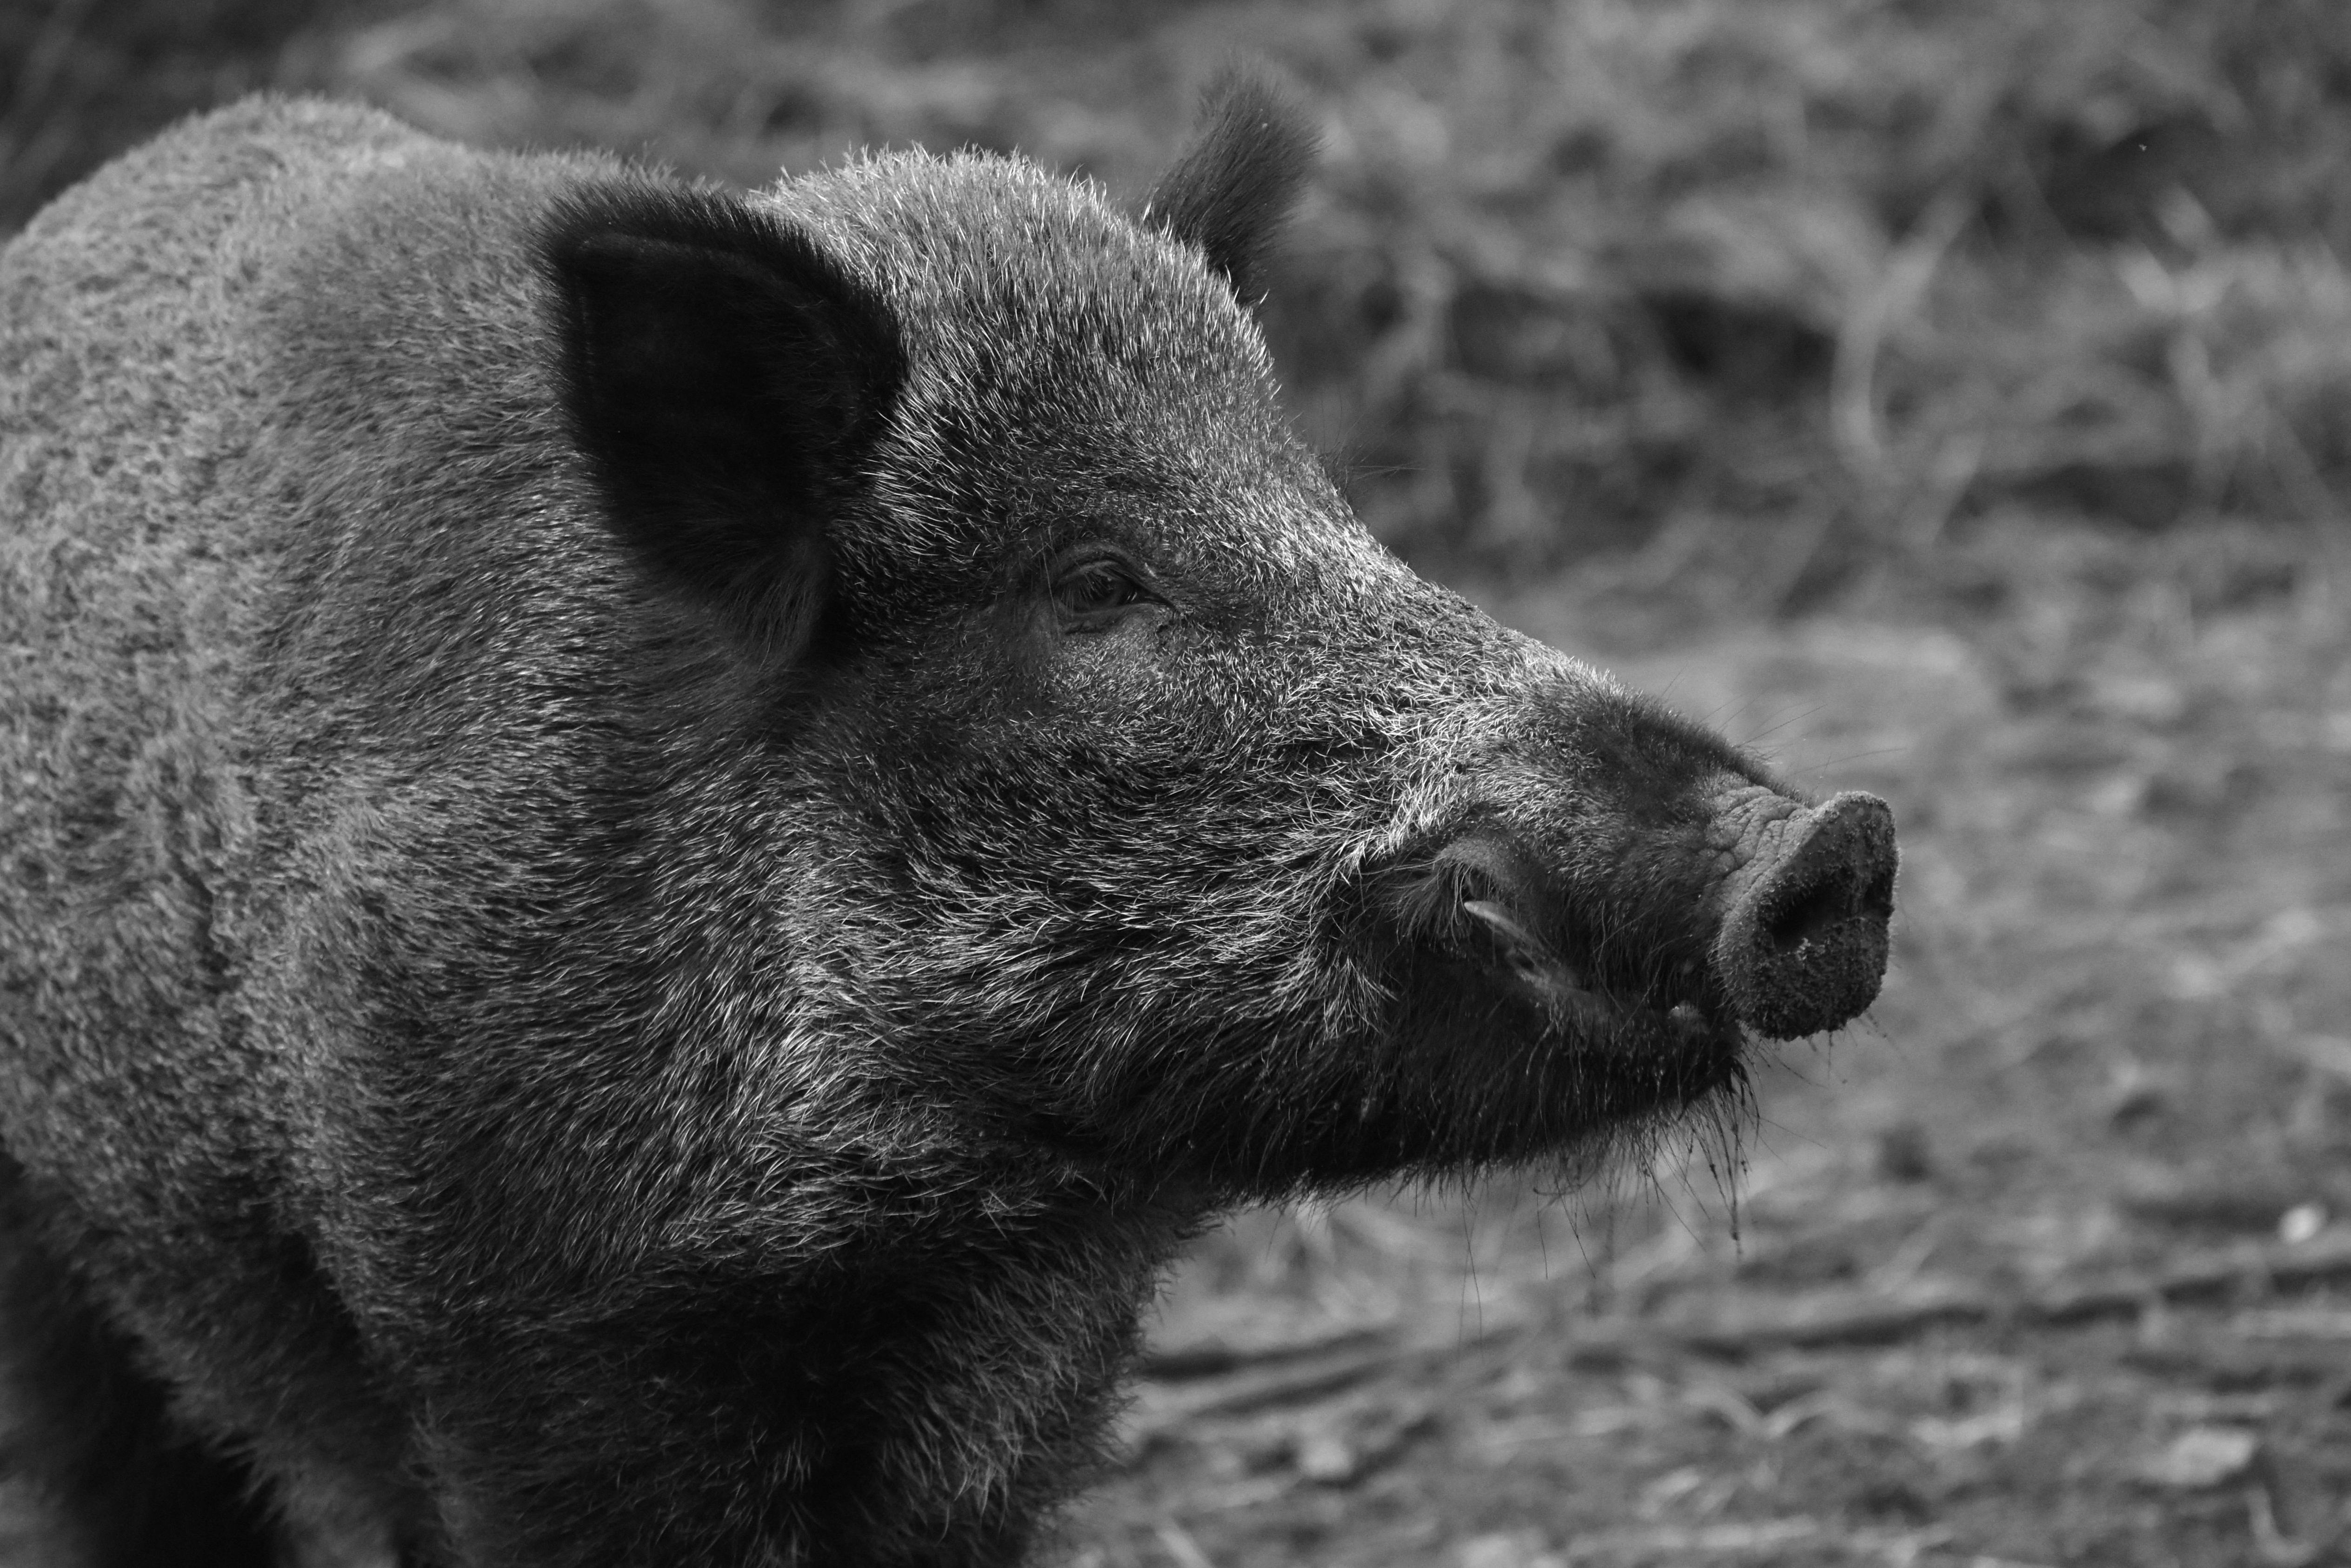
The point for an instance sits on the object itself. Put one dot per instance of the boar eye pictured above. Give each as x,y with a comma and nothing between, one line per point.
1090,593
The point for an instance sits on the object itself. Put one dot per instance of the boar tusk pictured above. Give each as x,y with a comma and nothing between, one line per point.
1533,956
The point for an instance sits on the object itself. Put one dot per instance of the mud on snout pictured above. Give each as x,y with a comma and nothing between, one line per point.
1644,969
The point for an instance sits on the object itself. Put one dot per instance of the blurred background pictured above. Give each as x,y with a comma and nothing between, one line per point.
1951,400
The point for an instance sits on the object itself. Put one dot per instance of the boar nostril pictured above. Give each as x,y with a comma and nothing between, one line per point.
1813,914
1809,917
1803,944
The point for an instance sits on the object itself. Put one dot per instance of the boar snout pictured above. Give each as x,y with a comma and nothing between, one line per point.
1778,926
1804,939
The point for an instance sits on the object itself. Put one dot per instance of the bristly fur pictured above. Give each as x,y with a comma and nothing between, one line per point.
660,845
1230,192
87,1416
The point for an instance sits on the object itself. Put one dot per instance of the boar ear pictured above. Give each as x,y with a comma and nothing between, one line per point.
1231,190
726,381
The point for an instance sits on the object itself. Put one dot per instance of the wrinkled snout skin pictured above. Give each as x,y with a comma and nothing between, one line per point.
659,845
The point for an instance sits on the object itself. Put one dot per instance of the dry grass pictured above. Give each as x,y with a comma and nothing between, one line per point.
1852,274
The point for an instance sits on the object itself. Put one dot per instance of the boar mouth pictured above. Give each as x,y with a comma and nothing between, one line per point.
1790,940
1678,1045
1478,904
1553,984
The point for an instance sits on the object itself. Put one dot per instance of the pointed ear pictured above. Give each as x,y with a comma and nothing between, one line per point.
726,381
1231,190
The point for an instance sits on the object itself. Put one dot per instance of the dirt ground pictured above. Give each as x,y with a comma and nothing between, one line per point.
2044,1262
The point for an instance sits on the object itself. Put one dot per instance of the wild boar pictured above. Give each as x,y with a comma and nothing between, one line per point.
661,844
